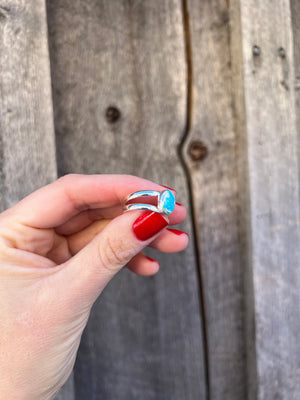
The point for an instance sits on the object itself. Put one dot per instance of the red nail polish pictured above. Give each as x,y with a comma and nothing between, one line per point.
150,259
179,204
148,225
177,232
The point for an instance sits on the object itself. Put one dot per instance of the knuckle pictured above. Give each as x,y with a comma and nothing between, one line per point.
4,249
113,254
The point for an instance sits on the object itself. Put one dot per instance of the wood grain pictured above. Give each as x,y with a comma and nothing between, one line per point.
27,149
144,337
215,191
295,10
130,79
269,192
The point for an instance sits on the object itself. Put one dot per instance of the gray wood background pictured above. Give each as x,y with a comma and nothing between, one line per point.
199,95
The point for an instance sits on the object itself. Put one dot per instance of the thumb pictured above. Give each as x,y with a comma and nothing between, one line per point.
89,271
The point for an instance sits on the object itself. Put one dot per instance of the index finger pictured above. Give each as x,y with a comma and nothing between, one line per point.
56,203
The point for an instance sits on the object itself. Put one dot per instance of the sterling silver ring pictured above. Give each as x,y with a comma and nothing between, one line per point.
165,201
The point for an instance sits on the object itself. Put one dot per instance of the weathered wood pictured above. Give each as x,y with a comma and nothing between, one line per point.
27,142
27,149
269,192
295,9
144,339
214,183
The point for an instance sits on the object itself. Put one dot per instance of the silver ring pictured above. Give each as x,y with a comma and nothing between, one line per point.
165,201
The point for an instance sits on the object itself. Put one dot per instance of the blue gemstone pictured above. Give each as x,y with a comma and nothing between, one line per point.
167,202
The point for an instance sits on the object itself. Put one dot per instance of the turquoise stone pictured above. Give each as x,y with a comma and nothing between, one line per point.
166,202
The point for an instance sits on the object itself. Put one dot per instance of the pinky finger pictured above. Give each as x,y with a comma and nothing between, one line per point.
143,265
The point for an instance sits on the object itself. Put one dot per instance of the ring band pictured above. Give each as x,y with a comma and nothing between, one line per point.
165,201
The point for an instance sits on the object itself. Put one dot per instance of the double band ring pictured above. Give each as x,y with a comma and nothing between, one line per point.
165,201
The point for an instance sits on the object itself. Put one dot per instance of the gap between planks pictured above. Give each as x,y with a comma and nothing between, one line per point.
186,134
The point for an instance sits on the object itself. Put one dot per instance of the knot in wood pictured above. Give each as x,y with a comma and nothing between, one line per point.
197,151
256,51
112,114
281,52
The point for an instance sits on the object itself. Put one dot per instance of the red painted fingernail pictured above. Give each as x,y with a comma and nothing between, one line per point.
148,225
179,204
177,232
150,259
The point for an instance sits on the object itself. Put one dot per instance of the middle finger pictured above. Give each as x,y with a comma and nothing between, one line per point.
169,241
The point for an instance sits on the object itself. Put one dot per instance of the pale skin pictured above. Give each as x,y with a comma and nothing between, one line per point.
59,247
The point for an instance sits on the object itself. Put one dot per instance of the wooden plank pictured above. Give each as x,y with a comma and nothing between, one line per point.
269,191
215,192
27,149
27,143
295,10
144,337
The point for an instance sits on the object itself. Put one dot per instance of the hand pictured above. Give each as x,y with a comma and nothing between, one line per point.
59,247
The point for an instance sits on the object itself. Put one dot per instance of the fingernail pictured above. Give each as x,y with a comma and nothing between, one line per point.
179,204
177,232
148,225
150,259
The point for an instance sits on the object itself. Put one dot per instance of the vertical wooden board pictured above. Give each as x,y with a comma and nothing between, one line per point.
295,9
27,142
144,337
27,149
269,192
215,192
